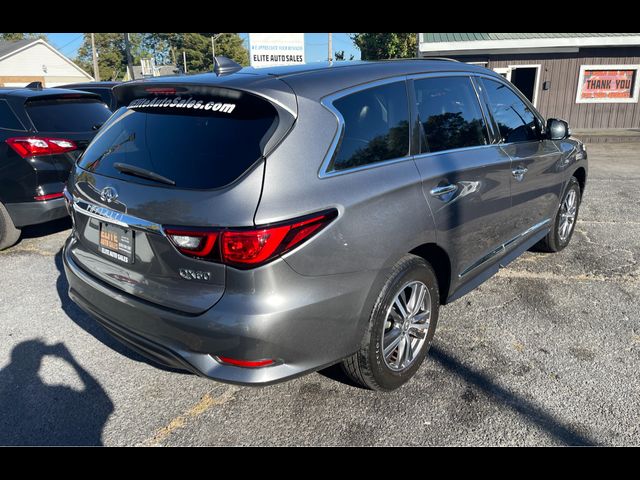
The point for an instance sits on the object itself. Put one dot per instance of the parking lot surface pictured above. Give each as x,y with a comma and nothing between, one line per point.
547,352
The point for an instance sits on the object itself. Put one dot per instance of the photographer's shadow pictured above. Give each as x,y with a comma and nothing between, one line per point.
34,413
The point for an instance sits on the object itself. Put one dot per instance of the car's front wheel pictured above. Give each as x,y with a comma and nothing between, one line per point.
401,327
565,220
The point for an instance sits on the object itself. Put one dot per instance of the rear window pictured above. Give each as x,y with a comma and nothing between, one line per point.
105,93
198,142
67,114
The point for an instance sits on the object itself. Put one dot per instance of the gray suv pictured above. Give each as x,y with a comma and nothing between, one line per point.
257,225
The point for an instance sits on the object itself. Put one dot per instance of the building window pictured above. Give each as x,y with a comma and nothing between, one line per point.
608,84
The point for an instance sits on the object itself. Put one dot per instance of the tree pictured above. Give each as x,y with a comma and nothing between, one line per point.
339,55
112,60
382,46
168,48
12,37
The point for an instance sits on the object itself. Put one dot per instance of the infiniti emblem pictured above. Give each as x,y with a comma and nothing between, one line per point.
108,194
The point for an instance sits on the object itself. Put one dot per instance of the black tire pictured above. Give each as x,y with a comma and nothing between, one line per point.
367,367
9,234
553,242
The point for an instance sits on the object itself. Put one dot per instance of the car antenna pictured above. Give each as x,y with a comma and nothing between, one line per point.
225,66
35,85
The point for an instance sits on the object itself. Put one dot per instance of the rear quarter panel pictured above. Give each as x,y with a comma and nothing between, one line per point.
382,211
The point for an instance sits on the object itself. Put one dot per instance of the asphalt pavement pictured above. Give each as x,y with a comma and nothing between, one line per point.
547,352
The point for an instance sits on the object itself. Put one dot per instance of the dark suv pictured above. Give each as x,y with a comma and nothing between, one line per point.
262,224
42,133
104,89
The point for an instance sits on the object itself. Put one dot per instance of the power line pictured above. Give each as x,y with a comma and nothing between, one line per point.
70,42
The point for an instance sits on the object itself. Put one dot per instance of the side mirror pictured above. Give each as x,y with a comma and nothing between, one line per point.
557,129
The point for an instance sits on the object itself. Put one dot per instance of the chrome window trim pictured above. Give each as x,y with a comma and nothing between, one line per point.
327,102
420,156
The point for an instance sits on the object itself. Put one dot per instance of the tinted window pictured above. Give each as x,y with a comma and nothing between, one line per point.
67,115
105,94
8,119
196,147
515,120
376,126
450,113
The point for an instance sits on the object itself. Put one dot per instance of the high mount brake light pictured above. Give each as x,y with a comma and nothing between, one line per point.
161,90
33,146
248,248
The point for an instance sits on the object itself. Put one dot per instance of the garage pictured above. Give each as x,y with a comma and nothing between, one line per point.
587,79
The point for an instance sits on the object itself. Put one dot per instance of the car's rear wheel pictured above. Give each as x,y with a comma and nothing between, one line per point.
9,234
401,327
565,220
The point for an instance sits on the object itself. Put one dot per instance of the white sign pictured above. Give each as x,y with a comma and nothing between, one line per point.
273,49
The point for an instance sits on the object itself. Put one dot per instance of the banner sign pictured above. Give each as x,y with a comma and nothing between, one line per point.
607,84
274,49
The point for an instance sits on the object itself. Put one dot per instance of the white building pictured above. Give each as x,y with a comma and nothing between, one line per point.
34,60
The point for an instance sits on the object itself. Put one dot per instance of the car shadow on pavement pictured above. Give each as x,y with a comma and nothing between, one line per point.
500,395
35,413
92,327
44,229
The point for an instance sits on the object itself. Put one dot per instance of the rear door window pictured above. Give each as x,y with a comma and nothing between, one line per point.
198,142
450,114
67,114
8,119
376,126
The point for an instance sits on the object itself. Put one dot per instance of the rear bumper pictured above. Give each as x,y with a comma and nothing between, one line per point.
303,323
32,213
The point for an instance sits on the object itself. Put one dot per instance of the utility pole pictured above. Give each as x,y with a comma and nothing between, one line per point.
184,60
330,57
213,48
96,71
127,48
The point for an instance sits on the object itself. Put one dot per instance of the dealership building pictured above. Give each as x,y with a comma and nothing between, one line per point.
588,79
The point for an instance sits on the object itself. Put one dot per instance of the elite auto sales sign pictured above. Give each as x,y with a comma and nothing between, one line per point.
276,49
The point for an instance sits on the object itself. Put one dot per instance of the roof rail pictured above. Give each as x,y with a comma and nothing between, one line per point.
225,66
446,59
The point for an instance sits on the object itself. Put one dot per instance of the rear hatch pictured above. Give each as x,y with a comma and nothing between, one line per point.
194,158
74,117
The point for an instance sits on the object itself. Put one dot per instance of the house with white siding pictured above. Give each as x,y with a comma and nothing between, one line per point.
34,60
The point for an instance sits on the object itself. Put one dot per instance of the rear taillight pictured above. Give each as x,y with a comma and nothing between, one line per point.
32,146
190,242
248,248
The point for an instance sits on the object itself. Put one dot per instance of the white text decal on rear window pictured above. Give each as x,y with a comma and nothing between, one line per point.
179,102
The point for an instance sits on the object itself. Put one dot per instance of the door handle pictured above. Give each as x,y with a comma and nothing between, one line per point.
443,190
519,173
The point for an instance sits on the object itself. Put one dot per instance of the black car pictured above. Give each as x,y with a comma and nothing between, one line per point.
42,133
104,89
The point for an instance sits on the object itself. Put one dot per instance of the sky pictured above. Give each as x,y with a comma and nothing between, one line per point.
315,44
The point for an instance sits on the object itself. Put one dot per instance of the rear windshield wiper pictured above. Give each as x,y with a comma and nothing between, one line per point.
142,172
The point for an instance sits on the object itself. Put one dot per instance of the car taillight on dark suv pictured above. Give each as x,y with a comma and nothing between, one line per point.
246,248
34,146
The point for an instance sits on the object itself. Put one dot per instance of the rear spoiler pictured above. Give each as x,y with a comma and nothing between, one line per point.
62,96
